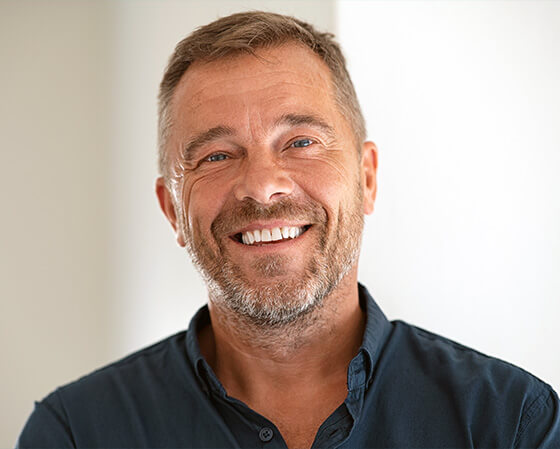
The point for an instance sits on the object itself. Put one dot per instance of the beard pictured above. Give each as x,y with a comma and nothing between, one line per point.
266,301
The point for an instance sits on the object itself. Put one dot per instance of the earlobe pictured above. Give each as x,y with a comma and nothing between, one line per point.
369,175
168,208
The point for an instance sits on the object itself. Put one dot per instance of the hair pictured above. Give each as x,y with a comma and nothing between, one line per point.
245,33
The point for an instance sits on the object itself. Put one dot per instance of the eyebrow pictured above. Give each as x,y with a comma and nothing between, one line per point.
204,138
305,120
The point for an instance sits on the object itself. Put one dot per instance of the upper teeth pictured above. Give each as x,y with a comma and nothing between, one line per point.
270,235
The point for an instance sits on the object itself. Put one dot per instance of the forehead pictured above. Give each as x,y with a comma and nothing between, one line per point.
288,78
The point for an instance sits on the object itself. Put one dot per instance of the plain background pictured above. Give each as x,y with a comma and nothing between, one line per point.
461,97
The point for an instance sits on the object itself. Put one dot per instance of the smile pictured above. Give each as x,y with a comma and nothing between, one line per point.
270,235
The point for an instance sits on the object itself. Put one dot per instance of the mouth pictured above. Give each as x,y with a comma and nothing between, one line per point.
266,236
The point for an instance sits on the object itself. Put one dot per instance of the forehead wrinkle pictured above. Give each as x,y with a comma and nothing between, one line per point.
194,76
255,127
224,93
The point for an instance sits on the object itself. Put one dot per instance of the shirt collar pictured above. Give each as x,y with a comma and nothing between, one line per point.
204,372
375,334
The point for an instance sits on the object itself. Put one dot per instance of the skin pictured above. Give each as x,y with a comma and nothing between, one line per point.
294,374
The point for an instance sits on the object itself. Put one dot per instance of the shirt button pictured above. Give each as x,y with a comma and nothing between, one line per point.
266,434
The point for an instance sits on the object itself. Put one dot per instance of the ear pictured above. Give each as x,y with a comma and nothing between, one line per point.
166,203
369,175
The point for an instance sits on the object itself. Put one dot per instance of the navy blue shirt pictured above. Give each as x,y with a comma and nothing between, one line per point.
406,388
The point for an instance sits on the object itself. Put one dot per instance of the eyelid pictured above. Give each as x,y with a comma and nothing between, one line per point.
297,139
217,153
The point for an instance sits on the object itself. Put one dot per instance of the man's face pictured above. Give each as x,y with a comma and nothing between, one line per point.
260,151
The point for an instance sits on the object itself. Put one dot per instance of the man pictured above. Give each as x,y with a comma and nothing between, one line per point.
266,176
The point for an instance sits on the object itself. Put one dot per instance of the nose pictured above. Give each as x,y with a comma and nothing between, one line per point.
263,179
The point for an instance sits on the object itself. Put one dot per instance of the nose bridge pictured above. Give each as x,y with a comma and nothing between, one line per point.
262,178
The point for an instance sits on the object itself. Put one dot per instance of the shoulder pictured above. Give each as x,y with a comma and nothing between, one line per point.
122,398
444,358
442,377
142,368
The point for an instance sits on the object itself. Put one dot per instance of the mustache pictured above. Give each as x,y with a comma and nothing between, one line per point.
229,220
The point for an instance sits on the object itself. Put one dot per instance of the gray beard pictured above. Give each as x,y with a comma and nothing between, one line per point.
286,303
275,305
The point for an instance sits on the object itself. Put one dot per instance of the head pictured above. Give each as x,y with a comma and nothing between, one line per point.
244,33
259,132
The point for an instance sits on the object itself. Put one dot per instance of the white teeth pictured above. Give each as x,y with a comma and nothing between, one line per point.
250,237
276,234
266,235
269,235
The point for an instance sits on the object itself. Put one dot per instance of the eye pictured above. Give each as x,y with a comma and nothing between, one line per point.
217,157
301,143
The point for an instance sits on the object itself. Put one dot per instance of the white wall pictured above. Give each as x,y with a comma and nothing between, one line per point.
55,134
463,100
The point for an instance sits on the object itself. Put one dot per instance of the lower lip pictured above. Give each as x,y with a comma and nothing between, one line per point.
273,245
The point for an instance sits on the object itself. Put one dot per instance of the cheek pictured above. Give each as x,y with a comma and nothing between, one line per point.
327,180
203,198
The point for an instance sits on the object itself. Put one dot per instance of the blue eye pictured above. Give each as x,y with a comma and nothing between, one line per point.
301,143
216,157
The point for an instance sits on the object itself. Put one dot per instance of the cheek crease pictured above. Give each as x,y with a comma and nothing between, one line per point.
340,170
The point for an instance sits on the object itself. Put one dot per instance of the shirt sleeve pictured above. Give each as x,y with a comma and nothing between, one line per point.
540,426
46,427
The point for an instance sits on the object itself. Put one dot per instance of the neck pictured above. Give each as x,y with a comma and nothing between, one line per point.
313,350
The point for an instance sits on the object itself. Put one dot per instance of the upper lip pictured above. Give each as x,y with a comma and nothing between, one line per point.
269,225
